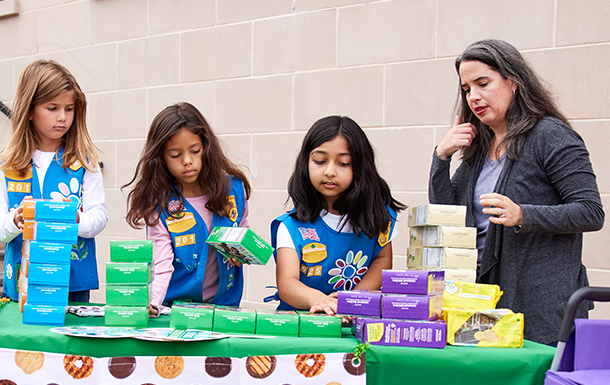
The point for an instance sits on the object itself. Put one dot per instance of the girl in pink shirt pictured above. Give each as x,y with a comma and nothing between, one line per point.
184,185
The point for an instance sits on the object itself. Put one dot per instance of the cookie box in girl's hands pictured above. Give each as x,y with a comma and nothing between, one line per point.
50,232
44,210
240,243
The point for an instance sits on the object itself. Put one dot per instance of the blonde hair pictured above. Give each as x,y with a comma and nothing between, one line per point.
40,82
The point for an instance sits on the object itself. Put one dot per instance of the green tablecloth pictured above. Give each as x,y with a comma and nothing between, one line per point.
385,365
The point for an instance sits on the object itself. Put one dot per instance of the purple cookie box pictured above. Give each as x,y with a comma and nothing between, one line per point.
358,325
412,282
359,302
391,332
414,307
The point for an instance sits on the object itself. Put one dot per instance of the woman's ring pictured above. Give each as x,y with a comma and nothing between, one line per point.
502,216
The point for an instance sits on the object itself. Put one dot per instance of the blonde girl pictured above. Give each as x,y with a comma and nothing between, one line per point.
50,155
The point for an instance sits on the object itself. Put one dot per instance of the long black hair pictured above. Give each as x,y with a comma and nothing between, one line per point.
531,101
364,201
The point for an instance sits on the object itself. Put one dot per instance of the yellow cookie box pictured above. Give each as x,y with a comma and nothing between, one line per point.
471,295
493,328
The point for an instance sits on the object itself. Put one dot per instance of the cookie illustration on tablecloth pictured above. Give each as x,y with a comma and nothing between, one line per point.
29,361
7,382
310,365
169,367
354,366
218,367
78,366
261,366
121,367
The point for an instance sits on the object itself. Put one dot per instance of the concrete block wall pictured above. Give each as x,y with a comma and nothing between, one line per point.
262,71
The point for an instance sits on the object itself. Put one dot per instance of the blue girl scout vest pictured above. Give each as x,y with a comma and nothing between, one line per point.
58,183
189,233
330,261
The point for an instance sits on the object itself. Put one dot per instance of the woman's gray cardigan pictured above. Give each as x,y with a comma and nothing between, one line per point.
539,265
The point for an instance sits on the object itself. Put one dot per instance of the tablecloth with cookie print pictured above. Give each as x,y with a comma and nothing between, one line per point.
22,367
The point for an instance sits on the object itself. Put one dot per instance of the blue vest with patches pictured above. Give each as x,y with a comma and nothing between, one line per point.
189,233
58,183
330,261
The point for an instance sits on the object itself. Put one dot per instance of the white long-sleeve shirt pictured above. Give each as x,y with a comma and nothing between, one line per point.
93,218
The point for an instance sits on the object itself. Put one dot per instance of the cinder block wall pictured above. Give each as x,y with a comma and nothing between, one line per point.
262,71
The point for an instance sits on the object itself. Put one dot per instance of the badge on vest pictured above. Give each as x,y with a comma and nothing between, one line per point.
182,223
314,252
232,209
14,181
76,165
384,237
311,271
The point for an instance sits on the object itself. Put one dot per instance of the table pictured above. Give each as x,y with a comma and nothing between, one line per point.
384,364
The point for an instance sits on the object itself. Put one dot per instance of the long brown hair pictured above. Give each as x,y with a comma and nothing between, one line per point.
40,82
154,185
531,101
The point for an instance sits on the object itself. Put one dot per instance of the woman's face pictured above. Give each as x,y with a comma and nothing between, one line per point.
488,94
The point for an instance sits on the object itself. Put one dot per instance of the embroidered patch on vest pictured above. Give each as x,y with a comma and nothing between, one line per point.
349,271
184,222
13,181
313,271
384,237
10,173
309,234
185,240
314,252
18,187
76,165
232,209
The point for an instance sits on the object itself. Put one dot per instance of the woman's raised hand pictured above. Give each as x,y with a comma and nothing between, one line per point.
457,137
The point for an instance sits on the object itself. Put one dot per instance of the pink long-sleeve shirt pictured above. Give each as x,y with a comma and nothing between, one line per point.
163,255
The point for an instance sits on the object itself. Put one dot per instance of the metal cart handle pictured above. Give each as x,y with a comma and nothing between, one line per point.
591,293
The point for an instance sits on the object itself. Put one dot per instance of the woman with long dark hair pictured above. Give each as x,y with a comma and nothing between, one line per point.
527,182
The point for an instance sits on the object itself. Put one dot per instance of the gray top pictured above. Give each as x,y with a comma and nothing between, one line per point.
539,266
485,185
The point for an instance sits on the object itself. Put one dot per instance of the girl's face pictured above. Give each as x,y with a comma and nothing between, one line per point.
183,156
51,120
330,170
488,94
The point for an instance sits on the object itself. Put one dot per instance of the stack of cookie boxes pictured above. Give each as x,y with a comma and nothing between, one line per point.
404,313
129,276
440,240
49,231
